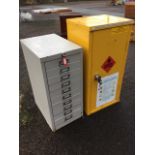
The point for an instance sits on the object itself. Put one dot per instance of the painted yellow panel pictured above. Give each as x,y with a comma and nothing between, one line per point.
100,42
98,22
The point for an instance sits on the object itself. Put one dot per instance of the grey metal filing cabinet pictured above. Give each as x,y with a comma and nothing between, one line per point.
55,67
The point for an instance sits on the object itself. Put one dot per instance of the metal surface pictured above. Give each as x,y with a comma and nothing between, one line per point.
105,52
93,23
58,89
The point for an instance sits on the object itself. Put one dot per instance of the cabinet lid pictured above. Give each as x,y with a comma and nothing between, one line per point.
98,22
48,45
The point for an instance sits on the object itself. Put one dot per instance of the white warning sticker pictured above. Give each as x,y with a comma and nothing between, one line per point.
106,91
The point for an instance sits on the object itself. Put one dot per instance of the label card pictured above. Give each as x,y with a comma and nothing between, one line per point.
106,91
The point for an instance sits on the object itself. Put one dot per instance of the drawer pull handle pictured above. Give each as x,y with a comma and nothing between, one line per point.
66,90
67,111
68,117
65,77
64,70
67,102
66,96
64,84
68,107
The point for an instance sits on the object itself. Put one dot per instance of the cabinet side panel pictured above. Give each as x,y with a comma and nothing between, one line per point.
81,36
34,67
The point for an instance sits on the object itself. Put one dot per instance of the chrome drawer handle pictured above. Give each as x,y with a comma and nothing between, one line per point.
65,77
67,102
68,107
68,117
64,70
67,111
66,90
64,84
66,96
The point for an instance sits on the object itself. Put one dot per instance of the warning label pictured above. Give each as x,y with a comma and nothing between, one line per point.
108,64
106,90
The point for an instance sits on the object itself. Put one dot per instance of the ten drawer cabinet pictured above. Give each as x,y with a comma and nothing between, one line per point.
105,41
55,68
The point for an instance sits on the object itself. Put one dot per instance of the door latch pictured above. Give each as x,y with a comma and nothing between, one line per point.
98,78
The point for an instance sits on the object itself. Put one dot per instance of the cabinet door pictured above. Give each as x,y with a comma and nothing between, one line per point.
108,62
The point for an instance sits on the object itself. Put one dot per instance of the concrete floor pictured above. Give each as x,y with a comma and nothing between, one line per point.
108,132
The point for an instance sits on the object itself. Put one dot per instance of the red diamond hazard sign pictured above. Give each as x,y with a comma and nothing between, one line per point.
108,64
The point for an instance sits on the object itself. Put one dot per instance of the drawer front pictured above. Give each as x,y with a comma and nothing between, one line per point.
65,88
59,110
62,121
55,63
56,72
55,83
56,99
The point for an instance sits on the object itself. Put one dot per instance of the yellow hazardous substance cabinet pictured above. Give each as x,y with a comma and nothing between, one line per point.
105,41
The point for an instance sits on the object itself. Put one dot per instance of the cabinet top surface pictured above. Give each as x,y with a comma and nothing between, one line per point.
101,21
48,45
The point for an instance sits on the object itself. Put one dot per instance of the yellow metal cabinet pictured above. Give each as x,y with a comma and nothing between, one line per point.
105,41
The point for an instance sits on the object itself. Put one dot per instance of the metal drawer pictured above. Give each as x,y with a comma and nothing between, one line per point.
74,83
60,71
59,109
55,63
62,97
56,81
68,119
